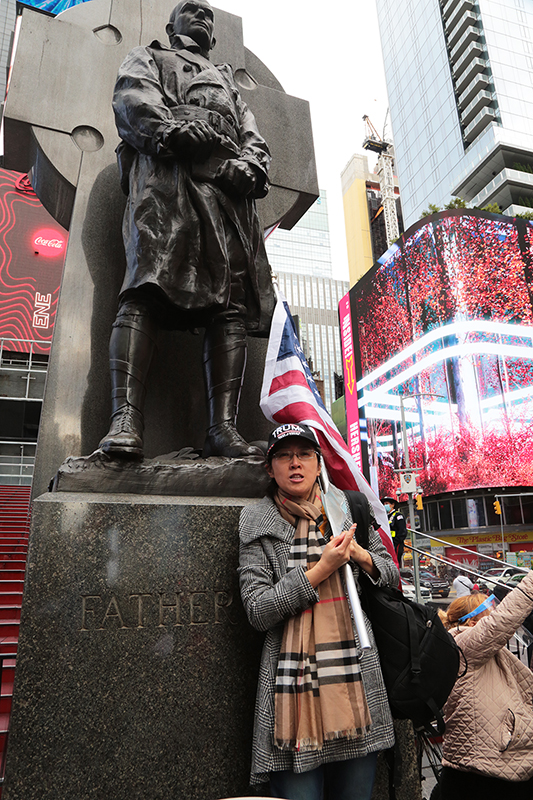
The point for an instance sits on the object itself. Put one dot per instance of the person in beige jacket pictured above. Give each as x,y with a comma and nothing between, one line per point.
488,743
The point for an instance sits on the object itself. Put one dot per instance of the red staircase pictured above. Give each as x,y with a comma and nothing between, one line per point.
14,529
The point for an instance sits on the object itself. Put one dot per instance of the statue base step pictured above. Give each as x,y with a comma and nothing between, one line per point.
182,473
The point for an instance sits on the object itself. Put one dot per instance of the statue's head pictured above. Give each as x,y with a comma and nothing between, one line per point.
193,18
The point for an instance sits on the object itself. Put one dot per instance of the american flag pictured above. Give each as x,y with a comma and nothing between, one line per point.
289,394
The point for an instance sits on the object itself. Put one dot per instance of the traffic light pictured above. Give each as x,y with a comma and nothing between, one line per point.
497,507
419,505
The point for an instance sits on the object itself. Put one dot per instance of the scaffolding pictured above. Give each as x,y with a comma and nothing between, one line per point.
385,170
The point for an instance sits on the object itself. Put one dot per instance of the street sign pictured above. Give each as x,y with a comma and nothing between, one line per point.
407,482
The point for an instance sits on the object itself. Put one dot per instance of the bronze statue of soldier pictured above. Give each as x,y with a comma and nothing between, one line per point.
192,163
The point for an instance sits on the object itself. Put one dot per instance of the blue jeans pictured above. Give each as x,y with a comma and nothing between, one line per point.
344,780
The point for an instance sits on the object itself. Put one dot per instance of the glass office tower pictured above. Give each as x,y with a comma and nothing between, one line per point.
305,249
460,83
301,259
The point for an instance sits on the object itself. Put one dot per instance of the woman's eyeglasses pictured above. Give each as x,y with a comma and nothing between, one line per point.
285,456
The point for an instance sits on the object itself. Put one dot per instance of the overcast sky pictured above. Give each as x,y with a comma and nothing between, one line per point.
329,55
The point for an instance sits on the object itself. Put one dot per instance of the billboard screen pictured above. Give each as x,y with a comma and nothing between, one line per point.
445,322
32,253
350,388
52,6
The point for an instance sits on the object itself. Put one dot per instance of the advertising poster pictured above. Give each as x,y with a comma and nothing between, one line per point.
350,387
446,321
32,254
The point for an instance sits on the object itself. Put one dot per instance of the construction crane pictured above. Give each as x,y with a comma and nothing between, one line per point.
385,150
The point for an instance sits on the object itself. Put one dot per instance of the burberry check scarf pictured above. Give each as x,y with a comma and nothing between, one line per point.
319,694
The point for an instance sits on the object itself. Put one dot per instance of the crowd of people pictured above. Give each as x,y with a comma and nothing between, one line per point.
322,714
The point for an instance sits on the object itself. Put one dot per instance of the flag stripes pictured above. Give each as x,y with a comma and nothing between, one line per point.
289,395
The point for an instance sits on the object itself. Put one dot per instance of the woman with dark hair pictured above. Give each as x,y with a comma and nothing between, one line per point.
322,713
488,743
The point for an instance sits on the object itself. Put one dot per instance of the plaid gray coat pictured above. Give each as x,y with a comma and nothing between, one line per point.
270,595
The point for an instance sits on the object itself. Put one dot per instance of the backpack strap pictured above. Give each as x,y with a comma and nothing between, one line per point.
413,644
360,510
416,670
438,729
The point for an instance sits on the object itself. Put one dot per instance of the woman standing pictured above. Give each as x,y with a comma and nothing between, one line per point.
488,744
322,713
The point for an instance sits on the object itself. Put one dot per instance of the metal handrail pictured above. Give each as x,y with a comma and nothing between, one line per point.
4,657
21,471
450,563
23,362
18,442
21,466
460,547
5,341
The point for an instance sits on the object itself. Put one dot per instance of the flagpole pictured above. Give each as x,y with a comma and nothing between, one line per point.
289,395
335,516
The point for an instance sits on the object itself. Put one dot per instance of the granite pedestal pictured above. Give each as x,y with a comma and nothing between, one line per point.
401,774
137,669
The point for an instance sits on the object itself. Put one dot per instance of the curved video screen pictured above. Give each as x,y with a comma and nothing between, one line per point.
52,6
445,322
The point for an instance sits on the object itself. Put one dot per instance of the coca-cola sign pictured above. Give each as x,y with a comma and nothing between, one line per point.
49,242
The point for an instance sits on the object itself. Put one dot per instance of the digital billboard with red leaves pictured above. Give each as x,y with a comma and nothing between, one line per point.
445,320
32,254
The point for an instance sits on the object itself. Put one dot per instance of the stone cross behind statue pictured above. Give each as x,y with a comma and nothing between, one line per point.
59,124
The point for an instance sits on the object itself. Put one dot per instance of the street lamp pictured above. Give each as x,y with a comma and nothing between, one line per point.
410,492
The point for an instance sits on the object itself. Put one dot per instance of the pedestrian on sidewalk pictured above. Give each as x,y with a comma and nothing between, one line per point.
397,524
462,585
488,743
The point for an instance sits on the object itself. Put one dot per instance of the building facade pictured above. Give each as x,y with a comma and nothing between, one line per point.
32,252
460,83
364,220
301,260
8,16
305,249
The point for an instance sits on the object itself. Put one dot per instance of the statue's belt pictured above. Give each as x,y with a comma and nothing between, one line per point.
207,170
201,171
223,125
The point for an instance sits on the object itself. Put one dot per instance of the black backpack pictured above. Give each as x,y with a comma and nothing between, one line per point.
419,658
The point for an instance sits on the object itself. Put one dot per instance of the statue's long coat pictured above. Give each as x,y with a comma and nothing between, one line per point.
179,231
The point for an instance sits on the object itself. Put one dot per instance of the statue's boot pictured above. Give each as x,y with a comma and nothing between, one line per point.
224,363
131,348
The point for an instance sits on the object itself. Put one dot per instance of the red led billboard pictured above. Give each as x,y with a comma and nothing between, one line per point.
32,253
445,321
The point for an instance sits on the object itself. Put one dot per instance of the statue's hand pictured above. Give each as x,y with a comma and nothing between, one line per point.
236,176
194,140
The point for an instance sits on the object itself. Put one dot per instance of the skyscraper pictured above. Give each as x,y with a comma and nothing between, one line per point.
366,236
305,249
8,16
301,258
460,83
